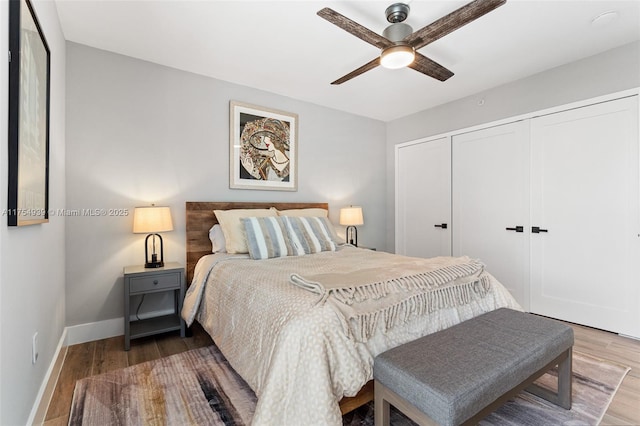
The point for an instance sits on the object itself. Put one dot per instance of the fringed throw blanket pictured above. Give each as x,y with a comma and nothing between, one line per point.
397,289
394,273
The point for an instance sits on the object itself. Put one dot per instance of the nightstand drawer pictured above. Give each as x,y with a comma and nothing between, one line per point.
155,282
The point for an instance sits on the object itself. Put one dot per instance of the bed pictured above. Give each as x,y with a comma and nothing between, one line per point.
300,330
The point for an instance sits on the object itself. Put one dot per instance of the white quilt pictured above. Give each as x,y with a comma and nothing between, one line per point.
293,351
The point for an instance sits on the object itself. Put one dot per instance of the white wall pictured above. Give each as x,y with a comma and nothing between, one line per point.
139,133
32,261
609,72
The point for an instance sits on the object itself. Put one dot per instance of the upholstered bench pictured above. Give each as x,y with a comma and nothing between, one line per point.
461,374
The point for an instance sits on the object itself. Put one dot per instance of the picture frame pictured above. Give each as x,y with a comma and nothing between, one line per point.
263,148
29,99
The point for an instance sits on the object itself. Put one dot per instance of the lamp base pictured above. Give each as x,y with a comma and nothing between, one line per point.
153,262
352,234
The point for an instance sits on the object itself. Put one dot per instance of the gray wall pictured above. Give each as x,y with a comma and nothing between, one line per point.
32,258
140,133
612,71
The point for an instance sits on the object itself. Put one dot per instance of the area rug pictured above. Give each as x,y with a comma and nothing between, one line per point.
199,387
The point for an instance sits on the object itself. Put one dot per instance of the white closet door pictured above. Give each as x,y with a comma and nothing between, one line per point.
491,194
423,199
584,183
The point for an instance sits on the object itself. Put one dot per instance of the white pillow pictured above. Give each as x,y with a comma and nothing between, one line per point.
218,243
311,212
233,230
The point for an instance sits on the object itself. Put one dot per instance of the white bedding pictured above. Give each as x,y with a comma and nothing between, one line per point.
293,351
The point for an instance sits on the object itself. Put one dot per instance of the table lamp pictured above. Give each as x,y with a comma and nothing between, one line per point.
351,216
152,220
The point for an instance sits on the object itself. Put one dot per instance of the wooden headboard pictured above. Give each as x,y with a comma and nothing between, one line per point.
200,218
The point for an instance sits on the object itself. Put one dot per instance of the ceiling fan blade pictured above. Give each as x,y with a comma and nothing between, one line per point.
366,67
451,22
431,68
354,28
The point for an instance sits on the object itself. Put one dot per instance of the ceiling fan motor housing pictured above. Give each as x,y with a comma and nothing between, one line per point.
397,32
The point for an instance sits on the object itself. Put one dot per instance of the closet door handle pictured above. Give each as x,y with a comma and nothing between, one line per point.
537,230
443,226
517,229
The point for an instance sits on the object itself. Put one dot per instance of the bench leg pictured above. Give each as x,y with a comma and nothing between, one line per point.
385,397
382,409
563,397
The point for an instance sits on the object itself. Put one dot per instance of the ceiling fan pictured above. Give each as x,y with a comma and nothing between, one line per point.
399,44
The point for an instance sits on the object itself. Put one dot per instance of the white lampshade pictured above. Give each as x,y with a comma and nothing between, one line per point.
351,216
397,56
152,219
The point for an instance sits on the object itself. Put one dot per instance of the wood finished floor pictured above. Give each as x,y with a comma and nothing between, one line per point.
104,355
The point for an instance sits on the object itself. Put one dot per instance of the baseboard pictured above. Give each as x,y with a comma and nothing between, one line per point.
91,331
41,404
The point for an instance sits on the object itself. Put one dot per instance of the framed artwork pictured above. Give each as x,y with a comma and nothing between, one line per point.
263,148
29,71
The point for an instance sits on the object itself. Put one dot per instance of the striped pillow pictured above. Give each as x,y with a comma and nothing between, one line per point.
267,237
310,234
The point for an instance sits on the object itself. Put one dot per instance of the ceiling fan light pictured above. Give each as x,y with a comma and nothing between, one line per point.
397,56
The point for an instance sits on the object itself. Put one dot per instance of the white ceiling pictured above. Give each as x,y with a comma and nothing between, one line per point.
285,48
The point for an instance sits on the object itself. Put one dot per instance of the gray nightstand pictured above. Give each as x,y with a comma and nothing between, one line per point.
138,281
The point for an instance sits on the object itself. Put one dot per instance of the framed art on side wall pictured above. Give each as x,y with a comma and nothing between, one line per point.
29,78
263,148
